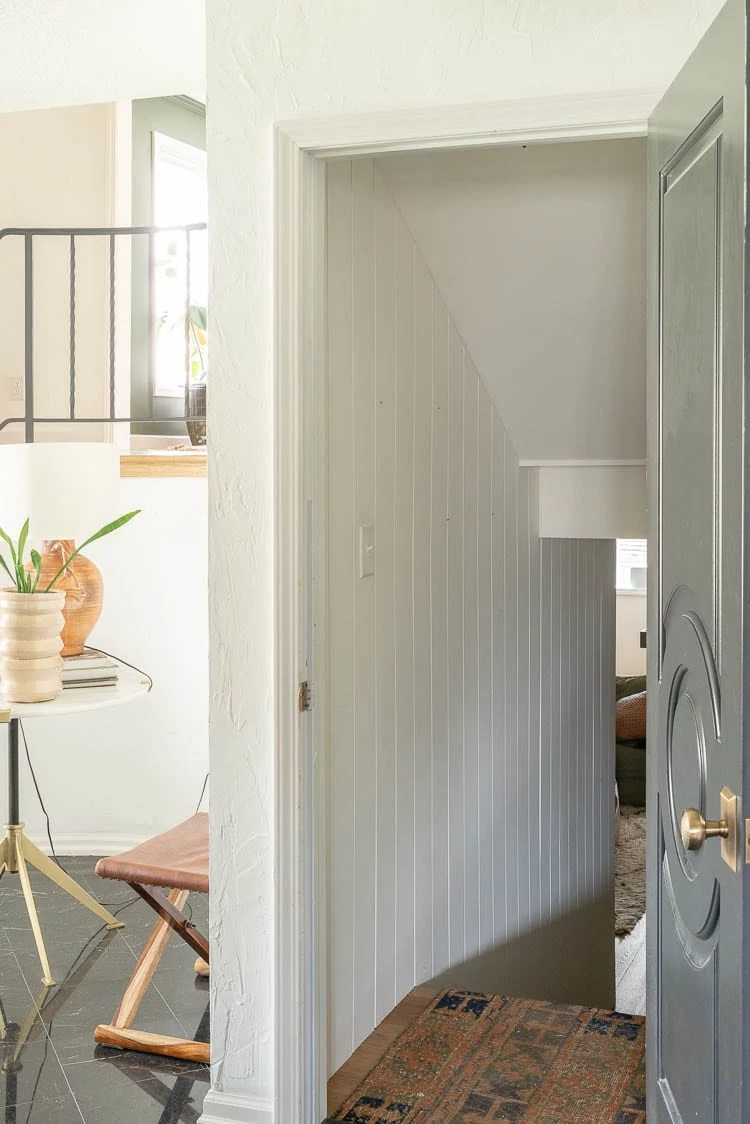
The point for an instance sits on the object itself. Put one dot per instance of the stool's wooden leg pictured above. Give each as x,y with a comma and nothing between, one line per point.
148,1043
146,966
120,1033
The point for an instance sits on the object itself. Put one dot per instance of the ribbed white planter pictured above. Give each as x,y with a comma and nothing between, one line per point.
30,645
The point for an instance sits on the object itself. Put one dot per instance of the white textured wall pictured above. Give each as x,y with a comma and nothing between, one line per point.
472,676
268,63
112,778
631,618
592,501
540,254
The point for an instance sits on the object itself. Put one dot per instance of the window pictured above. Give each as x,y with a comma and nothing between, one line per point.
631,565
179,198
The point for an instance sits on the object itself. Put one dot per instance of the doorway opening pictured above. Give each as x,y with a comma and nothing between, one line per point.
485,403
630,775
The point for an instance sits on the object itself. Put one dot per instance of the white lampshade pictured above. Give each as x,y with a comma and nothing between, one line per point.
68,489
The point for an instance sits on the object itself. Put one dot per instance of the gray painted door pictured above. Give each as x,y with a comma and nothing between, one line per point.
698,734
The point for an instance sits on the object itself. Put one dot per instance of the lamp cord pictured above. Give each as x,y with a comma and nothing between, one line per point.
46,816
139,671
41,801
203,793
43,806
132,666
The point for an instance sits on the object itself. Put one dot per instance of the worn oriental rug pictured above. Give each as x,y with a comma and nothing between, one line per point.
473,1058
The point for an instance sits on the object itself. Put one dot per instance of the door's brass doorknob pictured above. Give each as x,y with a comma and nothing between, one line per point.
695,830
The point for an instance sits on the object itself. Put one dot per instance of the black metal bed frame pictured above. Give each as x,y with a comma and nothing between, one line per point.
111,233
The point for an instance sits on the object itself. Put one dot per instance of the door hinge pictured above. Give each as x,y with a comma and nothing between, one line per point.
304,696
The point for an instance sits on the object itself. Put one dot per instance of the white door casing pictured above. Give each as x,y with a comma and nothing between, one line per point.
301,459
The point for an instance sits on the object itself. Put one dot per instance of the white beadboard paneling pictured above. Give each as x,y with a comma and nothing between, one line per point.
485,604
524,795
471,670
342,570
499,685
363,477
567,737
422,620
404,602
472,746
535,731
385,619
548,749
455,810
577,712
509,808
439,633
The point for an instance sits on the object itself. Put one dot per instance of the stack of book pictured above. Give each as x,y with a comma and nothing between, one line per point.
90,669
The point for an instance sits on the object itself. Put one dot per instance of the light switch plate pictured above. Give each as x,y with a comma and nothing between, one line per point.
366,550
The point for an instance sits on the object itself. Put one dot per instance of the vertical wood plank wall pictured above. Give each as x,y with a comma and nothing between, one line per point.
472,677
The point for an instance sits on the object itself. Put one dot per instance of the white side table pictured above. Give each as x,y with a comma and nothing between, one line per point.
16,850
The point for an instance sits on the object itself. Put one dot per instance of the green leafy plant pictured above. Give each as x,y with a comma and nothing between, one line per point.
198,331
26,579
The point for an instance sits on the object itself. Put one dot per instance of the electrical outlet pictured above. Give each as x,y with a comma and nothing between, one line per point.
14,387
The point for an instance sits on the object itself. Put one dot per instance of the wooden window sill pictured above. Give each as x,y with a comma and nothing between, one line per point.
175,464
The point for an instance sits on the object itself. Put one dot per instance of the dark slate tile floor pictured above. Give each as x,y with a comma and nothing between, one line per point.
59,1074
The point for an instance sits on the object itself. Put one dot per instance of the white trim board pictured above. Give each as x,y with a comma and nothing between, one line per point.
511,122
94,843
300,444
582,464
229,1108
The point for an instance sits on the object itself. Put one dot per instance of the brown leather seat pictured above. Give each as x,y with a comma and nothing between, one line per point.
178,859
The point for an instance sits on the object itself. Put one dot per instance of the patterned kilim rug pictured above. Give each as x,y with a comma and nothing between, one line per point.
473,1058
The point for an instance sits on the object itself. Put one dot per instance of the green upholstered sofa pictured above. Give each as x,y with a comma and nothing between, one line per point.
630,757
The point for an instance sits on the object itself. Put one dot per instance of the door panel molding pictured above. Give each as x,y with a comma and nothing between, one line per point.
698,978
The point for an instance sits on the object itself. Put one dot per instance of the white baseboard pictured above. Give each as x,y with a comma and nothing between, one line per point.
232,1108
88,844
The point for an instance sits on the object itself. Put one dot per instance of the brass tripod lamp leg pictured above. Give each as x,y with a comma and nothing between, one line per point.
30,906
56,874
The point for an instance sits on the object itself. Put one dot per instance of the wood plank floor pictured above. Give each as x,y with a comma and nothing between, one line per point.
630,977
353,1071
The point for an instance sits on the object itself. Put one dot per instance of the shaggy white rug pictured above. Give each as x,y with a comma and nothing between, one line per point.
630,870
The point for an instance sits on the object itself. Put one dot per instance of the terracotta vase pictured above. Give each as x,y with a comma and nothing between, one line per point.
30,644
83,586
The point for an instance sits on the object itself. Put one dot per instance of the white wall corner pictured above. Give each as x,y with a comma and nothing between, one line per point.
89,843
233,1108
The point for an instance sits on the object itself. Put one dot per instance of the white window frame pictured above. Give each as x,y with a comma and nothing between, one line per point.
165,148
629,589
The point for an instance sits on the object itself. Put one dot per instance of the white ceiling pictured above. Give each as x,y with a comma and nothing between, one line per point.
66,52
539,254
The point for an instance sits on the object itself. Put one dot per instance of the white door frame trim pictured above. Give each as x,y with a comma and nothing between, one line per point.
301,147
